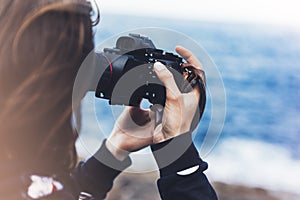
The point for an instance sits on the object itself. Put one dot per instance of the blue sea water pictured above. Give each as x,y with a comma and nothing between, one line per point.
260,69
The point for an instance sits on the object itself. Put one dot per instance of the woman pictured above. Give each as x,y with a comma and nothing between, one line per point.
43,43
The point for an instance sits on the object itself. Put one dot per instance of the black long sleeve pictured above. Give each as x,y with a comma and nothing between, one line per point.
172,156
176,155
91,180
96,175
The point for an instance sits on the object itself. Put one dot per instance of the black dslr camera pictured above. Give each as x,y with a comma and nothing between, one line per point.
128,74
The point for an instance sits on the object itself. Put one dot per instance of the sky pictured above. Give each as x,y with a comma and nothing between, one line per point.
273,12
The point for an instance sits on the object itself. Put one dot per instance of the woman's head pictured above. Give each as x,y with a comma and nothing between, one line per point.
43,43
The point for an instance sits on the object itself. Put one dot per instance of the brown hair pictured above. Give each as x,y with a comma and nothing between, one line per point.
43,43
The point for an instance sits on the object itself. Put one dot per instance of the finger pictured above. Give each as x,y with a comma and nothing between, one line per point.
189,57
139,116
167,78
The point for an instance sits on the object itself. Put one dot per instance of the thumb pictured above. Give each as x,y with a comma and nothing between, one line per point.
166,77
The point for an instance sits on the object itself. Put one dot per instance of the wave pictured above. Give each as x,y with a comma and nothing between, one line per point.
254,163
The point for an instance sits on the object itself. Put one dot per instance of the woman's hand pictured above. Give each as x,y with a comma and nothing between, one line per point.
135,128
132,131
180,108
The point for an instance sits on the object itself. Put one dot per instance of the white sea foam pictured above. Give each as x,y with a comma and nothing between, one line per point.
254,163
233,161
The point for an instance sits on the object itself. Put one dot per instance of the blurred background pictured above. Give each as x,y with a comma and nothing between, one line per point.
255,46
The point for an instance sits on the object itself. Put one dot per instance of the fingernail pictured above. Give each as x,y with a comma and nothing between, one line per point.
158,66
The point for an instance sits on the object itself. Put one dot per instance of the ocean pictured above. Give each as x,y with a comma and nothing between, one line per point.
253,126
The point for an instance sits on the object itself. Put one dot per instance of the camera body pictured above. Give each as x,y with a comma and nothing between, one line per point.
128,75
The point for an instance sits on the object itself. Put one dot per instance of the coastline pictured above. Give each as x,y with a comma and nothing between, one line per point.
129,186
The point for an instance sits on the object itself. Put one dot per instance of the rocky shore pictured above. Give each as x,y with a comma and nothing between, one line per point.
143,187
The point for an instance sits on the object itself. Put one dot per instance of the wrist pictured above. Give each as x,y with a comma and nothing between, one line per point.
177,154
162,133
117,152
185,128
